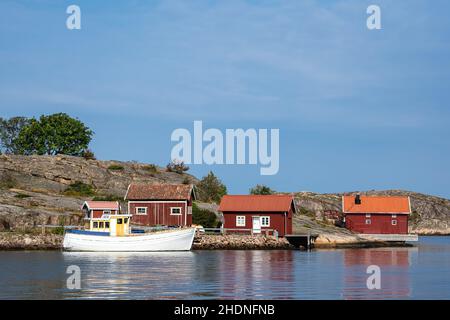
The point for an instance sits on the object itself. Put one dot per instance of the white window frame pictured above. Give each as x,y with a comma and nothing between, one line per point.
368,221
265,224
394,224
140,213
175,214
242,222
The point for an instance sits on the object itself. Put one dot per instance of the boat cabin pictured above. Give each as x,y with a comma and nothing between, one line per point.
115,225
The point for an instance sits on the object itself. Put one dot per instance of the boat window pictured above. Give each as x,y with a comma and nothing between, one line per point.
119,221
101,225
107,225
95,225
125,220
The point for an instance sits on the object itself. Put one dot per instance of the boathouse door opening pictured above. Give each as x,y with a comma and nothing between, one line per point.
256,224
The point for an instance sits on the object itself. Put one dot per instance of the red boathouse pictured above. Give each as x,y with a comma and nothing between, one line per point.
96,209
257,213
376,214
160,204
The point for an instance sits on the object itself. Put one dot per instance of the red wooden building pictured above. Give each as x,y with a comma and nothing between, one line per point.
257,213
160,204
95,209
376,214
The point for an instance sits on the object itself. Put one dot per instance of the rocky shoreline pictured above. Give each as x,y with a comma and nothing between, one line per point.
29,241
34,241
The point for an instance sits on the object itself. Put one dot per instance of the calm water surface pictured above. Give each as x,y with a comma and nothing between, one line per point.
421,272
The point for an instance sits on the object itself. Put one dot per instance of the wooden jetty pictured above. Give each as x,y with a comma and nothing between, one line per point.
302,240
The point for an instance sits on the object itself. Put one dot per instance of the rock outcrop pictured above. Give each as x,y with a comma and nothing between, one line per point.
32,187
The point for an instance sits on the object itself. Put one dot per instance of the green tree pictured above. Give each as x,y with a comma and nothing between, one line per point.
211,189
9,132
54,134
261,189
203,217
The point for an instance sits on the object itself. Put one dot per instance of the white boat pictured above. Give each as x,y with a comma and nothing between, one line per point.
116,238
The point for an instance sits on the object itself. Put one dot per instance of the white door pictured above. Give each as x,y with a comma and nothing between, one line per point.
256,225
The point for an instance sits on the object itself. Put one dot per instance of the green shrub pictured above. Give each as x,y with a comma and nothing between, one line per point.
186,180
261,189
177,166
203,217
115,167
150,168
21,196
88,155
79,189
58,230
108,197
7,182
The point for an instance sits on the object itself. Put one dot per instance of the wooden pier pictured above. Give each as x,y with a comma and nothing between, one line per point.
302,240
390,237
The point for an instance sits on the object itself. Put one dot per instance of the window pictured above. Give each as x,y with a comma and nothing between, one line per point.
119,221
141,210
107,225
394,222
125,220
240,221
106,211
367,215
368,221
101,225
95,225
265,221
394,216
175,211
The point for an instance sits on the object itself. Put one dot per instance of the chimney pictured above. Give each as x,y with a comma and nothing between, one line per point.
357,199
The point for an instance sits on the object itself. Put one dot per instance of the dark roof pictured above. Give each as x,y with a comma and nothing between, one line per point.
255,203
160,192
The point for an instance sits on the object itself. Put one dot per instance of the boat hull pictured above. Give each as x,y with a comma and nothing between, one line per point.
174,240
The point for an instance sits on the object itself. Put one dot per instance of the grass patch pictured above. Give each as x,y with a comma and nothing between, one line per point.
307,212
150,168
108,197
79,189
7,182
115,167
22,196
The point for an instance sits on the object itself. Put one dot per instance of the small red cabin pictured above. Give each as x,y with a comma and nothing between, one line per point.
160,204
96,209
376,215
257,213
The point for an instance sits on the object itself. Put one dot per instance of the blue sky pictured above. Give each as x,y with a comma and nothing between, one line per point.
357,109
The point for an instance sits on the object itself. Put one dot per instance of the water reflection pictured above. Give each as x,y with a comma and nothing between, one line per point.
250,274
132,275
422,272
394,264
